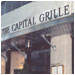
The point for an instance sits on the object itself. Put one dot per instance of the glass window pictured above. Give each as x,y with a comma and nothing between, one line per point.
16,4
40,62
2,8
25,2
8,6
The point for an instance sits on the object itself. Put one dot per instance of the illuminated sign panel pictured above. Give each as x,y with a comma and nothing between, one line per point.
57,69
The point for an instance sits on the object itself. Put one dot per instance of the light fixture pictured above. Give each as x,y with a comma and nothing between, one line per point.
54,47
28,44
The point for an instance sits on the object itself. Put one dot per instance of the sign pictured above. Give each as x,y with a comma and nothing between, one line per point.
57,69
36,20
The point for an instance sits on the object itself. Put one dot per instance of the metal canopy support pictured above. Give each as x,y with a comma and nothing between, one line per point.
18,49
5,58
53,46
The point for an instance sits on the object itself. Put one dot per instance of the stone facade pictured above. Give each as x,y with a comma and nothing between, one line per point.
63,53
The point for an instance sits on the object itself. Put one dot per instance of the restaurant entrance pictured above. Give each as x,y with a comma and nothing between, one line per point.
38,55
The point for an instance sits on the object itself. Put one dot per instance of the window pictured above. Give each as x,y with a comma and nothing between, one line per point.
8,6
25,2
40,62
2,8
16,4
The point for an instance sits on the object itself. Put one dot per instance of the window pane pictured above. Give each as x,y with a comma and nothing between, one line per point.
8,6
16,4
2,8
25,2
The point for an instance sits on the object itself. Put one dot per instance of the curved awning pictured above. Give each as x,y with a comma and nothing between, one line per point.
59,21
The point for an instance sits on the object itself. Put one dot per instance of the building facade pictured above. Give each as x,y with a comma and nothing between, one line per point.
37,37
